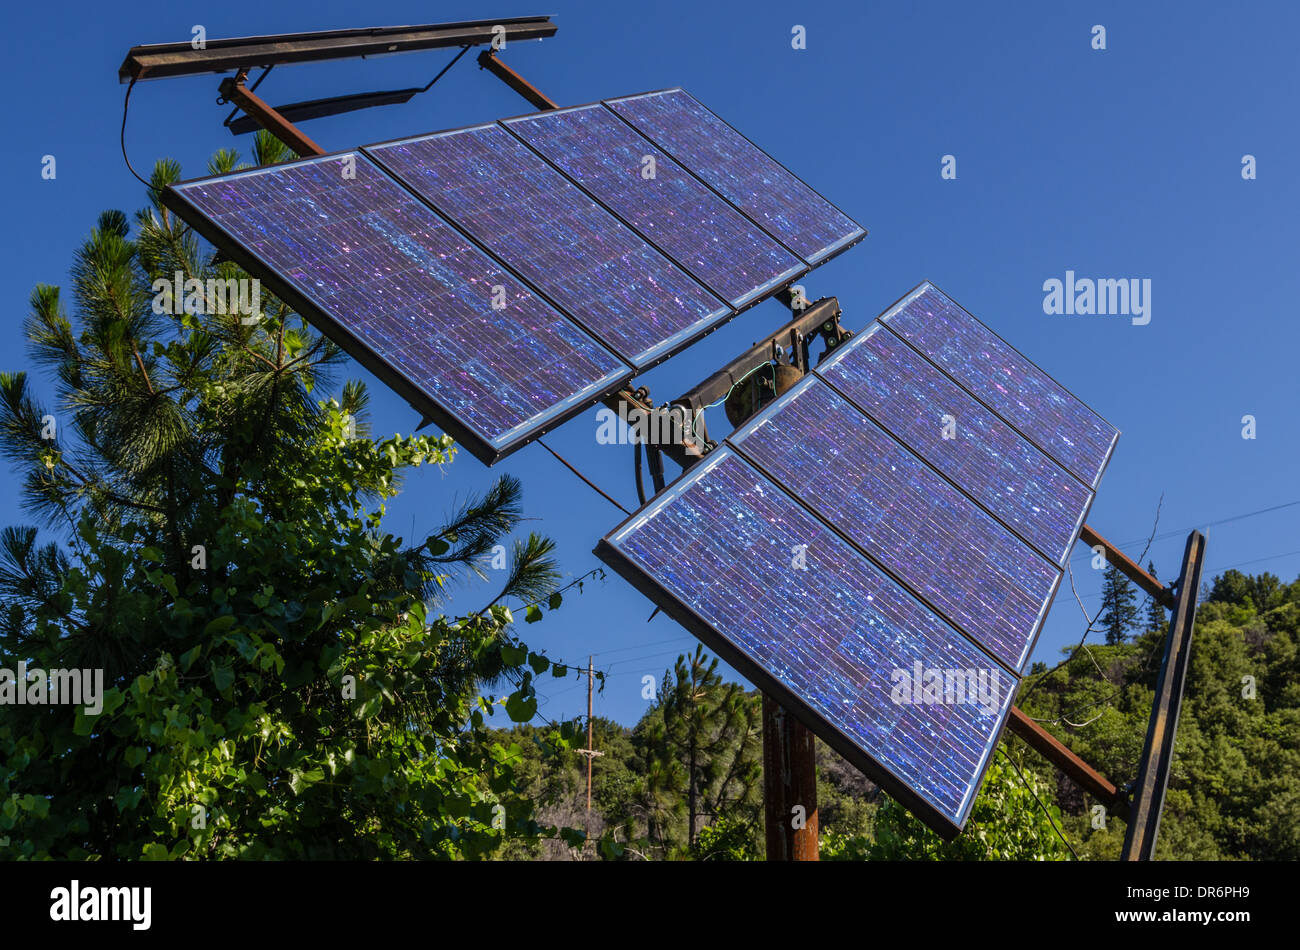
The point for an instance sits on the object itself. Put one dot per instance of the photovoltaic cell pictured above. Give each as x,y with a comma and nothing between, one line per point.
672,209
410,291
957,558
565,244
1019,391
985,457
840,637
749,178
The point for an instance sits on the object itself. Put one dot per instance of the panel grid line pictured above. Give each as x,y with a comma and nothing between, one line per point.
833,251
754,296
888,430
738,445
921,288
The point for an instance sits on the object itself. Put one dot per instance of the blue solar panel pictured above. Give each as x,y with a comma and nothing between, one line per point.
567,246
985,457
972,354
738,170
672,209
412,295
836,638
972,569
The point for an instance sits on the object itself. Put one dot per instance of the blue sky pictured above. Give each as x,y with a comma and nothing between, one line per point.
1117,163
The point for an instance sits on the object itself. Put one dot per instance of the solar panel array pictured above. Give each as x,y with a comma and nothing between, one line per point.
504,277
992,370
671,207
878,549
788,209
508,198
377,263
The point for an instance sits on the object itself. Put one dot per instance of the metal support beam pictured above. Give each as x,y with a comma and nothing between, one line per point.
789,786
235,91
489,60
1134,572
1158,752
163,60
823,315
1077,770
627,405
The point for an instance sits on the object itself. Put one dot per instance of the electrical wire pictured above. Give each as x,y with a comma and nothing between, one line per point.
1031,791
640,482
126,104
700,415
592,485
1213,524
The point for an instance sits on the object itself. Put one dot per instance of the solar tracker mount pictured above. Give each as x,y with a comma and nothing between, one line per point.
925,348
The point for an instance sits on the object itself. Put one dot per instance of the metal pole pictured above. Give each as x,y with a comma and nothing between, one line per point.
590,747
1077,770
1158,753
235,91
789,786
1121,562
489,60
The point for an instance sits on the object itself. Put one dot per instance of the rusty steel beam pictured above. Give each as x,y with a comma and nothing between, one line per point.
1077,770
235,91
489,60
1134,572
1158,751
789,785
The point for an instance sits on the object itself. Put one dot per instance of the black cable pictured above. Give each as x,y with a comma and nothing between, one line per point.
640,483
655,456
589,482
454,61
1030,788
126,105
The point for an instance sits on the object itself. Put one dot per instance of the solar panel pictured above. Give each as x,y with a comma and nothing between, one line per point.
963,563
838,642
1038,406
672,209
963,440
407,295
583,258
748,177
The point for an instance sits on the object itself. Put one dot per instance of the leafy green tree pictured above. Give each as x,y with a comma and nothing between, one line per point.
1007,823
278,680
702,751
1119,612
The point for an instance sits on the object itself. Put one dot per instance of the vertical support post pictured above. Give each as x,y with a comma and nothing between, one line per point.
1158,752
789,784
590,748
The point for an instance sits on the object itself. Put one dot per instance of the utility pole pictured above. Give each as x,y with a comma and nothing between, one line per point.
590,751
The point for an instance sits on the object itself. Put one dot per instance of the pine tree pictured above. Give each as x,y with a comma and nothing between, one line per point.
219,557
1155,618
703,752
1119,612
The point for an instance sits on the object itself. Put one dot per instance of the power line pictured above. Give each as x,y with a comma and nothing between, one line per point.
1212,524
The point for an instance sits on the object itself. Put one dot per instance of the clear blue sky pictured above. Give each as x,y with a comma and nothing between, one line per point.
1117,163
